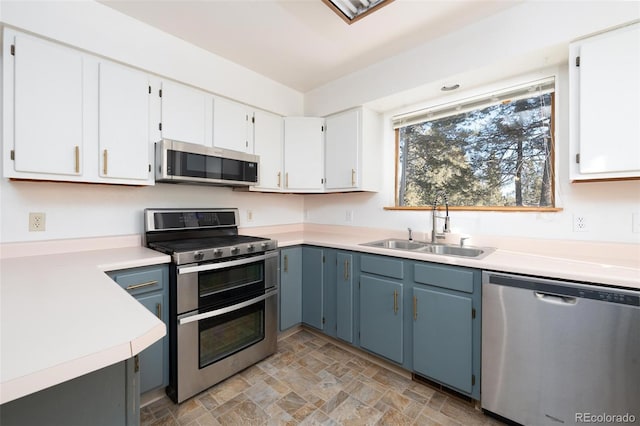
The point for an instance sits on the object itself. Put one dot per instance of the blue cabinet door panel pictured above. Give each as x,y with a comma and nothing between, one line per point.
443,338
312,289
290,287
344,296
460,279
381,317
380,265
152,358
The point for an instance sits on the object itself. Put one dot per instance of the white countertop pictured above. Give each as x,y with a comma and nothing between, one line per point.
62,317
567,260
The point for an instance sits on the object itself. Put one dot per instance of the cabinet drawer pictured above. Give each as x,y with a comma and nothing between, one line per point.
384,266
444,276
139,281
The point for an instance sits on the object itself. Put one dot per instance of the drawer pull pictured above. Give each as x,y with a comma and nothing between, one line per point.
346,270
146,284
77,158
159,310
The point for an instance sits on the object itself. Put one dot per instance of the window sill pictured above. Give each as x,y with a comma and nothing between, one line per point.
482,209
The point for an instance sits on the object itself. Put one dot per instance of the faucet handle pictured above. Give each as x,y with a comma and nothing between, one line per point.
462,240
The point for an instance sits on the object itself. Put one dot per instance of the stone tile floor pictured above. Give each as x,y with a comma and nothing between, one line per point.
312,381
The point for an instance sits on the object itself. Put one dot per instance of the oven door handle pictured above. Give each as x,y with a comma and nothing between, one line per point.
226,310
222,265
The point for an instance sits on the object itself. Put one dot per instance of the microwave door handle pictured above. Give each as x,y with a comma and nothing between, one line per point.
222,265
226,310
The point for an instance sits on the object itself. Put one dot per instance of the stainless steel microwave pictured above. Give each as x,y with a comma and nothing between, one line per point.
181,162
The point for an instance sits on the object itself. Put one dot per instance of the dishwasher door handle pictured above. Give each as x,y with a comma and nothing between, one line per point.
555,298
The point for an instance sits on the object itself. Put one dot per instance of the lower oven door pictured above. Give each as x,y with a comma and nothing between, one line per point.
216,344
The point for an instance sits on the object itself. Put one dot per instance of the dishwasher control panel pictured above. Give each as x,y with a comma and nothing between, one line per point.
567,288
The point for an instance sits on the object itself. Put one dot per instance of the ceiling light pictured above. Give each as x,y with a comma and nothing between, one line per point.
352,10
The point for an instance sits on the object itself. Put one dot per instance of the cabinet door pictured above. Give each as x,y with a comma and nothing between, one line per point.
268,133
231,125
149,285
442,337
342,139
312,287
381,321
47,107
609,104
303,153
123,123
290,287
187,114
344,296
152,360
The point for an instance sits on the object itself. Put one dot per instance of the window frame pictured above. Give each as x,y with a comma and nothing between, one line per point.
485,90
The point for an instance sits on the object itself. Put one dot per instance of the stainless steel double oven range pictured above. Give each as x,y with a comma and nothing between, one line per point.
222,295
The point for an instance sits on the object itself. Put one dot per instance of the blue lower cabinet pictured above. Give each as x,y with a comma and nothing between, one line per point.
312,287
447,303
442,337
344,296
150,286
290,297
153,358
105,397
381,317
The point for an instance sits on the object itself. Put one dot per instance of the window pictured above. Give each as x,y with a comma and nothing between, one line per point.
493,151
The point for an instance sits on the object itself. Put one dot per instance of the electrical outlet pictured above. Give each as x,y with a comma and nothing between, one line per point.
580,223
36,222
348,216
635,222
249,215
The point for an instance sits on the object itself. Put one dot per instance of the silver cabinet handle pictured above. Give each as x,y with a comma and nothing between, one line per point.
145,284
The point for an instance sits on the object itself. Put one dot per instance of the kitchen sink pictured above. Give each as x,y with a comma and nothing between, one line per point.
396,244
426,247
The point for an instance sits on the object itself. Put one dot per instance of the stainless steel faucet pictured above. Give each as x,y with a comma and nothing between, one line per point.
410,234
434,234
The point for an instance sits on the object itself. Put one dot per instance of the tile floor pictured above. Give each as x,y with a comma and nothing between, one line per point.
312,381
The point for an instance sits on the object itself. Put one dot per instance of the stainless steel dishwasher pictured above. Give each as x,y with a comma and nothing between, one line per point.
556,352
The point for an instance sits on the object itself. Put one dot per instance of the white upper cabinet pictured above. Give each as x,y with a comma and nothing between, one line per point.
304,154
123,124
43,107
268,130
342,143
187,114
232,125
71,116
605,105
353,150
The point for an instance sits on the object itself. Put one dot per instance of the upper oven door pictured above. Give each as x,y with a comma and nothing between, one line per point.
225,282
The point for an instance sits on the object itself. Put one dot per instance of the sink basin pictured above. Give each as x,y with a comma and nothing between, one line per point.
451,250
425,247
396,244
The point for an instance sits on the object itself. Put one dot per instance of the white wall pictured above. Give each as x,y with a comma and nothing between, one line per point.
82,210
520,40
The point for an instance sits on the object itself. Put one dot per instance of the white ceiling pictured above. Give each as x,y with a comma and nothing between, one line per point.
302,43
